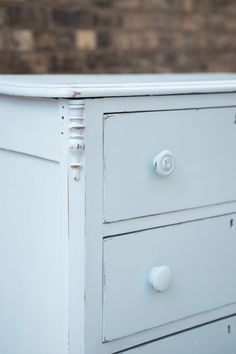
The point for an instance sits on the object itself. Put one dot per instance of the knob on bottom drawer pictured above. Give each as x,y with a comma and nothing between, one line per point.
160,278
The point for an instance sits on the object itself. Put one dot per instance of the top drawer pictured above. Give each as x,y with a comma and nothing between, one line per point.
202,143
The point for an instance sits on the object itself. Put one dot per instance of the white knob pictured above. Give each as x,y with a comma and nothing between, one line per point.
164,163
160,278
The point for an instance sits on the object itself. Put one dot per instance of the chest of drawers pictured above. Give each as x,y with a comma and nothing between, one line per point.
118,214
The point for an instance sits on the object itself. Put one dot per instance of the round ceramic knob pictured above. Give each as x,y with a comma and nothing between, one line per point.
160,278
164,163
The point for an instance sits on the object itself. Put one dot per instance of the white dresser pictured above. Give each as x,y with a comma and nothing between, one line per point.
118,214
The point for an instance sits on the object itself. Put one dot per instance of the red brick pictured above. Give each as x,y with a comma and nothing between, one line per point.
117,35
86,39
72,18
26,16
22,40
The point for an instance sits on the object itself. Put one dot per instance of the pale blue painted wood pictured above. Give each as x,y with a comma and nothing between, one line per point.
33,312
81,86
30,126
205,167
201,255
106,79
52,227
215,338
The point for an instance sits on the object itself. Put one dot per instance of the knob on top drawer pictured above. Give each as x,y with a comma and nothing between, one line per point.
164,163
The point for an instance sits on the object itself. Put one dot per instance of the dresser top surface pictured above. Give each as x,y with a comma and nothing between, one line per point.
113,85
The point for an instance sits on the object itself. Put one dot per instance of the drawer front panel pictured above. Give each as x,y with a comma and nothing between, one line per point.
197,267
201,169
214,338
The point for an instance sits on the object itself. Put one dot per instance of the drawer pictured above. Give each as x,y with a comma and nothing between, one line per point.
195,165
214,338
157,276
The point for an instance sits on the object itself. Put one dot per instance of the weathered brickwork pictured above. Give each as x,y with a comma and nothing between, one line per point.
75,36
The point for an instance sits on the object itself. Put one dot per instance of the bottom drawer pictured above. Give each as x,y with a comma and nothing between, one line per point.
214,338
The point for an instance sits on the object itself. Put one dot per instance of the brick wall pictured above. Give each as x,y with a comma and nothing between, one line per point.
39,36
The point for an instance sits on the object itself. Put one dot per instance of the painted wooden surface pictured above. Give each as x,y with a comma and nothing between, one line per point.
214,338
30,126
201,255
33,313
52,226
81,86
205,168
94,113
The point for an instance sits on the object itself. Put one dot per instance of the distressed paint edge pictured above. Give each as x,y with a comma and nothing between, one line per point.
115,90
